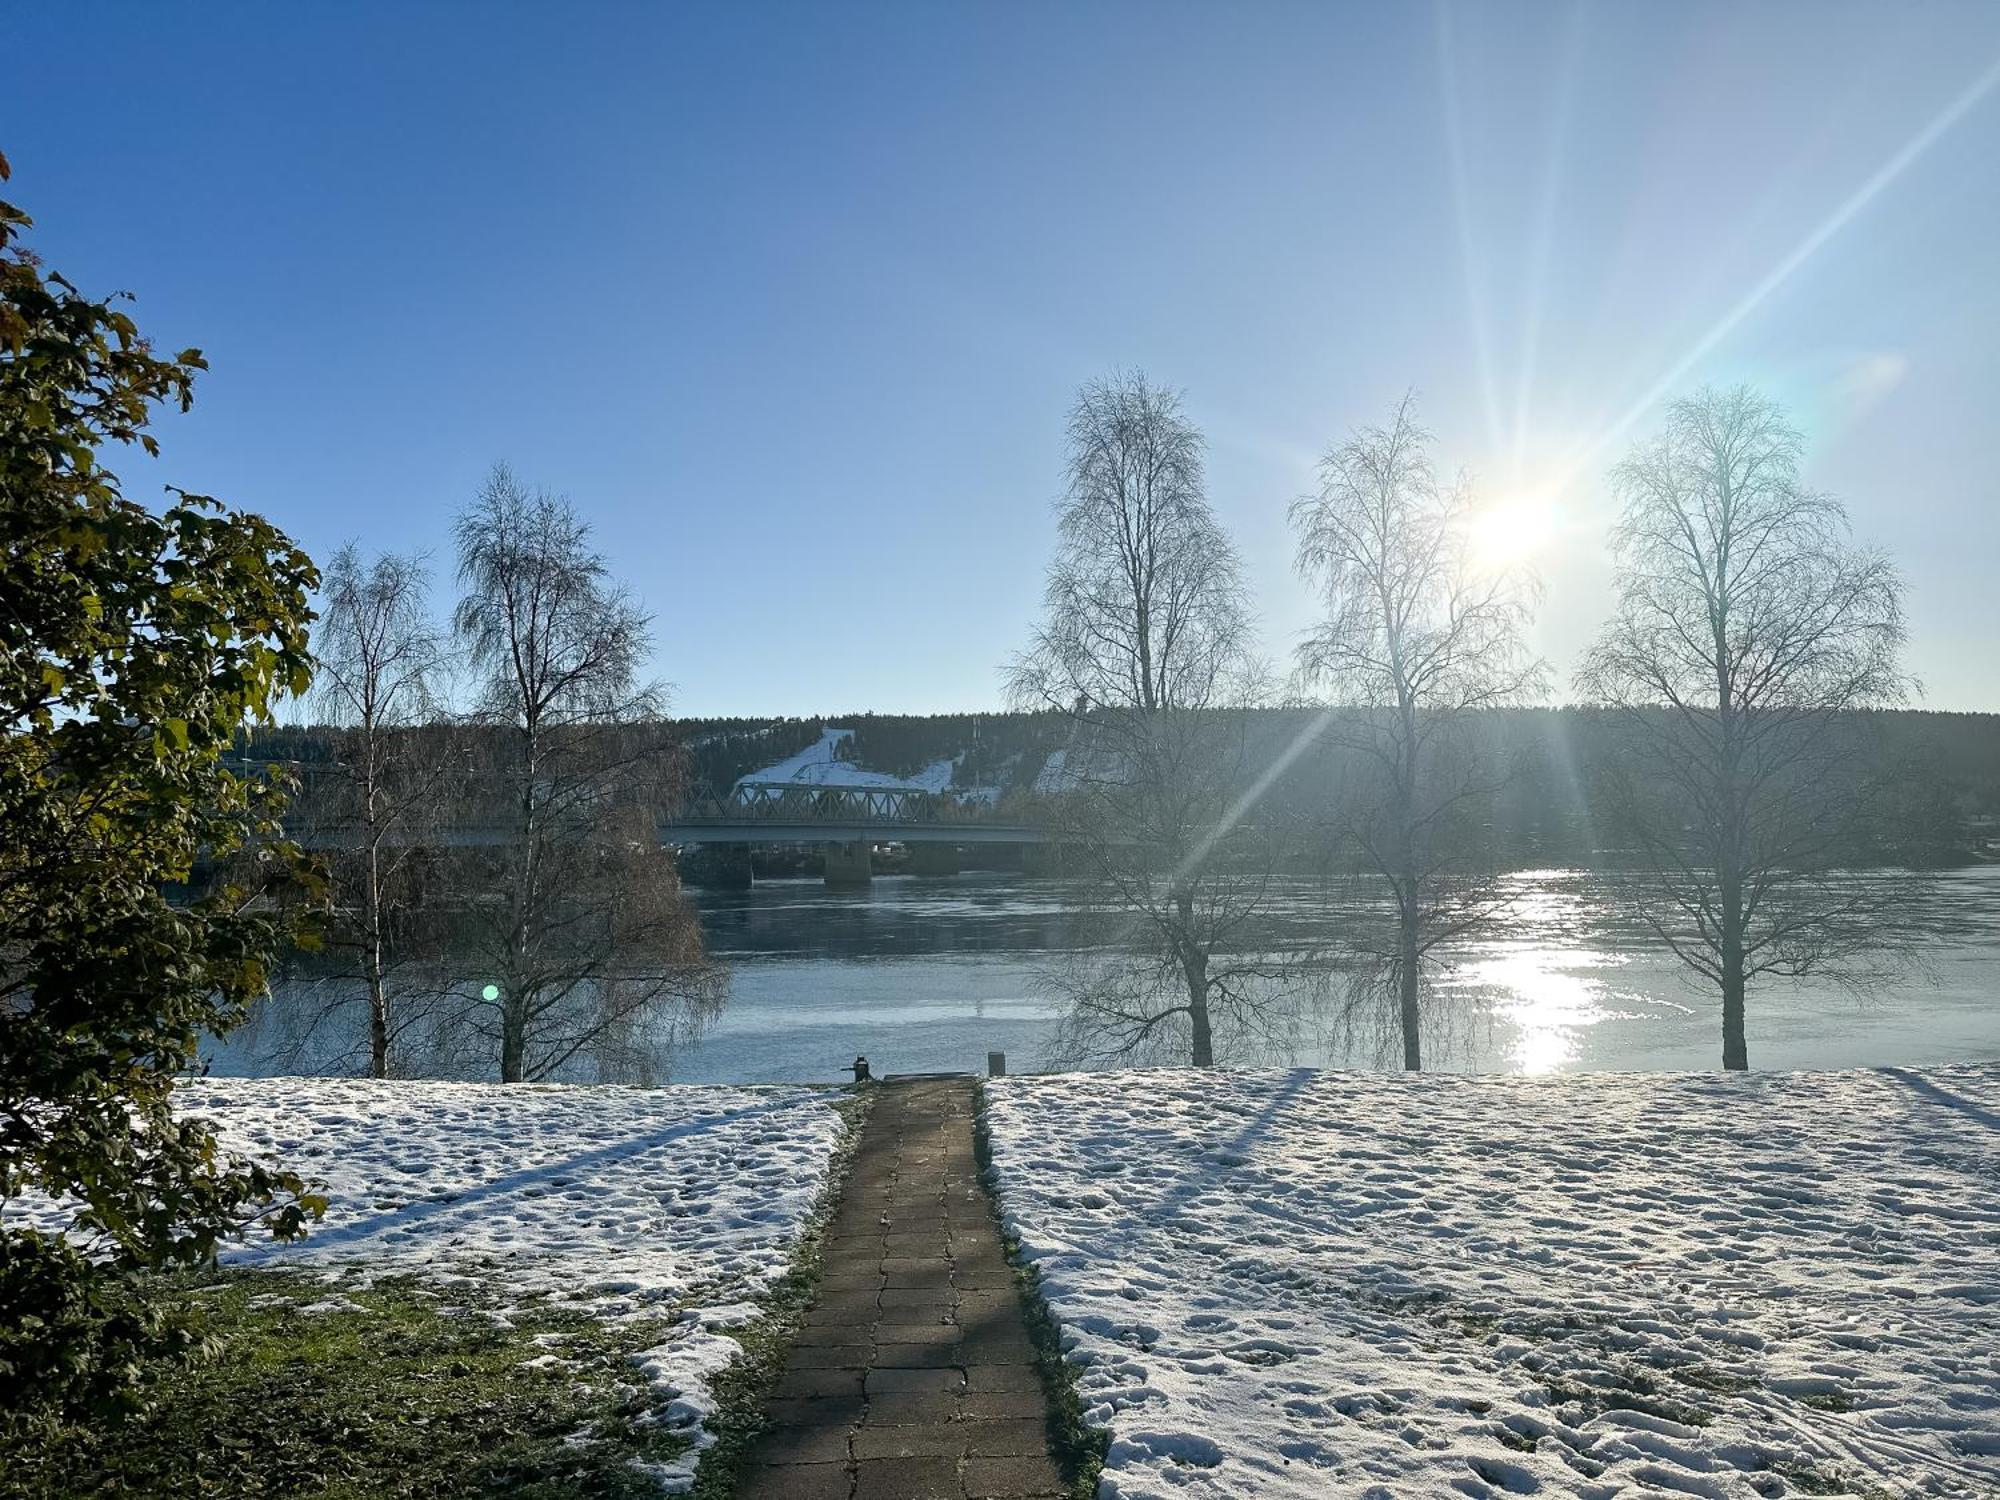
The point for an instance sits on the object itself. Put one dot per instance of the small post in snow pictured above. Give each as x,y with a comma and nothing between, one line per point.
996,1065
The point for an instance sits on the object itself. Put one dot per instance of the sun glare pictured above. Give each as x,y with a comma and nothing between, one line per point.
1511,531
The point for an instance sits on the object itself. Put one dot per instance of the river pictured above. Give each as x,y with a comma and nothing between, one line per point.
926,974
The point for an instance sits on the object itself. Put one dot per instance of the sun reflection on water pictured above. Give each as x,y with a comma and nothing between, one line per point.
1540,975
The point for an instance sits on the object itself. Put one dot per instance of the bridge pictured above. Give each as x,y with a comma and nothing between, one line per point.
790,812
844,822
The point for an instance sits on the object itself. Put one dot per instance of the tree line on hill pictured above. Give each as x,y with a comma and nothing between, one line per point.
1943,768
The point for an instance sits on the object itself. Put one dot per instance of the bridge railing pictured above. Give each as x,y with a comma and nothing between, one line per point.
796,802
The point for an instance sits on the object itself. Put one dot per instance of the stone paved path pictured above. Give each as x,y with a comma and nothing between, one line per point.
913,1378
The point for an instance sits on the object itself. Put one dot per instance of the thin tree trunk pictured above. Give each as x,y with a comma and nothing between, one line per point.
1735,1049
1203,1051
515,1002
1408,993
378,993
513,1041
378,996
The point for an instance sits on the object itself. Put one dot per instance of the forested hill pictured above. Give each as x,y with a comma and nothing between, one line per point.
1546,767
1946,765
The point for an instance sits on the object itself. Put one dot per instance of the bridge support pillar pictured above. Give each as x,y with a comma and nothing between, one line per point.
1041,859
935,859
850,864
730,867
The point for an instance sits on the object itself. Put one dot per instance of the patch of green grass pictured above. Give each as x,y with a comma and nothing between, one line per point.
1078,1447
406,1394
1808,1480
1828,1401
1708,1378
742,1390
1627,1390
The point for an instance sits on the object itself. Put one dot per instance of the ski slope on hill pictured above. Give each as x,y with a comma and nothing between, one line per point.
820,764
623,1201
1347,1285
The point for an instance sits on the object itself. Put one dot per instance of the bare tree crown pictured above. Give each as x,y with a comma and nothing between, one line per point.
1409,621
1146,607
540,616
1739,589
376,650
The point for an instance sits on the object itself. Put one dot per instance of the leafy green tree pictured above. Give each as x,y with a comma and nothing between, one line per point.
137,644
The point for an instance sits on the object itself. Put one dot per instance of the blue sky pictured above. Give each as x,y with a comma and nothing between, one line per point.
791,300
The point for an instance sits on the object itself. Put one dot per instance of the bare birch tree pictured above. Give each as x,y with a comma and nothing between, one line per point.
1145,646
377,660
1747,633
1416,639
593,943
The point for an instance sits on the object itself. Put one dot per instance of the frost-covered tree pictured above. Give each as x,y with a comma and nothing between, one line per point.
1146,647
379,659
591,945
1748,631
1416,639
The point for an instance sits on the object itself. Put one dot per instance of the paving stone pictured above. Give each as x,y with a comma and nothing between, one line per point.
813,1411
989,1319
977,1278
801,1445
1011,1477
848,1308
819,1382
1002,1378
853,1281
907,1408
795,1482
989,1404
907,1479
931,1440
998,1346
835,1336
922,1274
944,1381
934,1332
915,1356
1018,1438
831,1356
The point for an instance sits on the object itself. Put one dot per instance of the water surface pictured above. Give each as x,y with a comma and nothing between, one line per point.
925,974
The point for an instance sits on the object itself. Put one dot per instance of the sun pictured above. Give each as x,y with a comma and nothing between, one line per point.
1510,532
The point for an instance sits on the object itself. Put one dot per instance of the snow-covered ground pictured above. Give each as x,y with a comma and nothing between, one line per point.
620,1199
820,764
1347,1285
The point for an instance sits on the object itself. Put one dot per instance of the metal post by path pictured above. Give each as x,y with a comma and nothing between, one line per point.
996,1065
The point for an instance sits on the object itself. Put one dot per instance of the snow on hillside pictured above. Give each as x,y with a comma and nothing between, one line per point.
819,764
1341,1285
618,1198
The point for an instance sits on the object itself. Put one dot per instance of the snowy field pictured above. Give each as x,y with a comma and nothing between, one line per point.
621,1200
1349,1285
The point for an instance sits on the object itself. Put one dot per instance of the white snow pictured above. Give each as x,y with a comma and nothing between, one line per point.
1349,1285
625,1200
819,764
